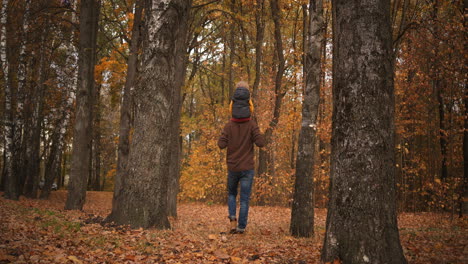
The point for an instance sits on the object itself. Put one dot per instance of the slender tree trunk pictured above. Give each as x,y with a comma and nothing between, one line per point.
96,184
126,106
53,165
33,152
181,66
361,223
232,50
442,129
142,201
20,118
302,214
264,156
464,189
11,186
82,137
260,26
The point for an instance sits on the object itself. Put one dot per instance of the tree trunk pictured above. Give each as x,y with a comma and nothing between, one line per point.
82,136
264,156
142,201
53,165
232,51
20,118
181,69
11,186
464,189
260,26
361,223
442,129
126,106
302,214
96,170
33,141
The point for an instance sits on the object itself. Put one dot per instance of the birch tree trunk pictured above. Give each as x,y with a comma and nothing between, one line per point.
11,186
82,136
142,201
302,214
361,223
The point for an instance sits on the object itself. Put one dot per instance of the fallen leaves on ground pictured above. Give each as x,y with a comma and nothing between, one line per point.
40,231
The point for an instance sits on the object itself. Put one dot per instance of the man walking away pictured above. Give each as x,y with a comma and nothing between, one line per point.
239,136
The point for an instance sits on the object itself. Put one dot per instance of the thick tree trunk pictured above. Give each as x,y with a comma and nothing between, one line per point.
361,223
82,136
302,214
142,201
126,106
11,186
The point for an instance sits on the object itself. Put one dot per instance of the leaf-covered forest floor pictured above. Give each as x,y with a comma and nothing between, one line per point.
40,231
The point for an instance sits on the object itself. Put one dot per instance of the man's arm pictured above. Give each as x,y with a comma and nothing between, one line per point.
223,139
257,137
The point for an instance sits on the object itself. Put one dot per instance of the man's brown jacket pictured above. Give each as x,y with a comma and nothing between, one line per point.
239,138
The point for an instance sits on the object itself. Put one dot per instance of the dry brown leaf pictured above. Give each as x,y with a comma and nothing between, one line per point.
75,260
221,254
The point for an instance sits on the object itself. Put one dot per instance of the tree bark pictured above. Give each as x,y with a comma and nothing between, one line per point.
33,141
142,201
181,70
232,51
464,188
82,136
302,214
264,156
260,26
11,186
126,106
96,169
361,223
53,165
20,118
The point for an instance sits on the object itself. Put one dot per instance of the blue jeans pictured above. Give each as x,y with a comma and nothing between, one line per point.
245,178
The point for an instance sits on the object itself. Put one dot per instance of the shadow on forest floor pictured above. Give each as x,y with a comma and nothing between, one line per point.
40,231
